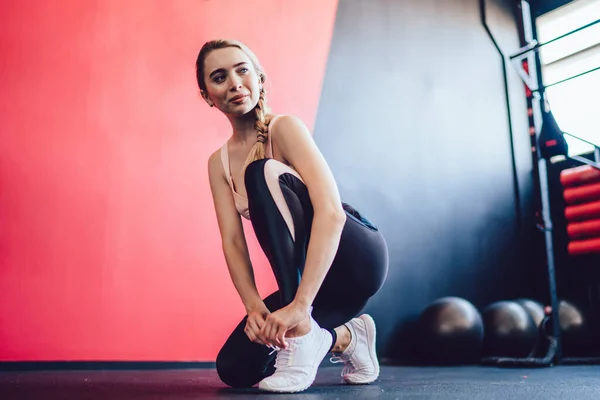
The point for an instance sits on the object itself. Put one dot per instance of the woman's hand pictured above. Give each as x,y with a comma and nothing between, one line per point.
279,322
255,321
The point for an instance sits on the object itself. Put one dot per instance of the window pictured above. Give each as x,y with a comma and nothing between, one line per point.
576,102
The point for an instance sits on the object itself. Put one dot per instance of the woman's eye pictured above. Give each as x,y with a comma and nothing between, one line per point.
219,78
244,70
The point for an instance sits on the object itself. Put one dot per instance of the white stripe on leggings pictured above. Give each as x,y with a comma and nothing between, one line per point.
273,170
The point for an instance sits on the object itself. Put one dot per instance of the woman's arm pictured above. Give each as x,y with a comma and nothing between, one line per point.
233,240
296,145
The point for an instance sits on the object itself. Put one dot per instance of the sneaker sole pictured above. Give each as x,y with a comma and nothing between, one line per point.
323,350
371,337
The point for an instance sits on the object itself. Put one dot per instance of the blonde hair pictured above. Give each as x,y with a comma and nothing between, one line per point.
261,110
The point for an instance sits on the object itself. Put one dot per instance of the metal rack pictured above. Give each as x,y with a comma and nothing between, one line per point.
547,141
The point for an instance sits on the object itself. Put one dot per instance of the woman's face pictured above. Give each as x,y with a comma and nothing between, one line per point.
232,83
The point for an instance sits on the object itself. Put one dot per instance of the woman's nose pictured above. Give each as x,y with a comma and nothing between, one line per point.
235,83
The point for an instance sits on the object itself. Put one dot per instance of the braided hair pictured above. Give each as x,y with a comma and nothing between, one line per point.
261,111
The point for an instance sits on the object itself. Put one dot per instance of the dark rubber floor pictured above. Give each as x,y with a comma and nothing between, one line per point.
469,383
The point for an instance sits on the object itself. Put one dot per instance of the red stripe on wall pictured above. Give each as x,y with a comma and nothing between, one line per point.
109,248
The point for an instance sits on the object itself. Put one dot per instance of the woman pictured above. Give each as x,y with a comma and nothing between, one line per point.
327,259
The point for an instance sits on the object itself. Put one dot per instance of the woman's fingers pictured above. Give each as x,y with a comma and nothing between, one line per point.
253,325
269,334
251,336
252,331
274,332
280,337
263,334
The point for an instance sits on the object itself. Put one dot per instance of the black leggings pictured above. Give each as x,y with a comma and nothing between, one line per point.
281,214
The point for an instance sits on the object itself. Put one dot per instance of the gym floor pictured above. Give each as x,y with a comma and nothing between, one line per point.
472,383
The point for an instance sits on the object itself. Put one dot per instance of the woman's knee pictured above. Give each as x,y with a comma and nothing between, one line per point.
264,173
230,374
255,169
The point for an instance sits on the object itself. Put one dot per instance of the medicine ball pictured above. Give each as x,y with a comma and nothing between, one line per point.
451,331
509,330
534,308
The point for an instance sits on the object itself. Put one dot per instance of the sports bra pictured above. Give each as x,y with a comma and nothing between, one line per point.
241,202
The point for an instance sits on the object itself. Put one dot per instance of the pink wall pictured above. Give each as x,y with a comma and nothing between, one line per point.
109,248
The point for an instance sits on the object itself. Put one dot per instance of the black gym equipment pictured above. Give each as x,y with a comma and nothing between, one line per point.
571,322
534,308
510,331
575,329
549,142
451,332
552,143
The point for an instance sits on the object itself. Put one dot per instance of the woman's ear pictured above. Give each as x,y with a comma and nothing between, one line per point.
206,98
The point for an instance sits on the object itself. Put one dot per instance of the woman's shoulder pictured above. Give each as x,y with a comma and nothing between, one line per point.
282,124
215,162
283,117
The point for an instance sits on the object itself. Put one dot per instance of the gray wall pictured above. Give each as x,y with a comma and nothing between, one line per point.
413,123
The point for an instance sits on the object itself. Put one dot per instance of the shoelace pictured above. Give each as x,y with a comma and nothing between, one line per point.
275,348
349,366
283,355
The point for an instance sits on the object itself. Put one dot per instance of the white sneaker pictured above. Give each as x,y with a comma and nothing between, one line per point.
360,359
296,367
